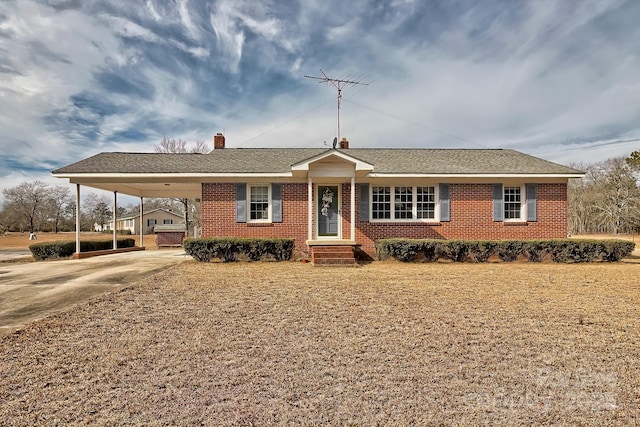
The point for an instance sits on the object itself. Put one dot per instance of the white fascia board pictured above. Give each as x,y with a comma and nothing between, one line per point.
477,175
164,176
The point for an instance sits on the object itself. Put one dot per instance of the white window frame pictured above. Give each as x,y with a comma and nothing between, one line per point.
523,203
414,203
269,207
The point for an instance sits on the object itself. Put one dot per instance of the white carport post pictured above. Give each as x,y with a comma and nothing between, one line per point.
78,219
141,215
115,219
309,208
353,209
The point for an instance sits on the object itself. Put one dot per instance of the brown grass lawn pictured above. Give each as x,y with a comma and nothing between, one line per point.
20,241
383,344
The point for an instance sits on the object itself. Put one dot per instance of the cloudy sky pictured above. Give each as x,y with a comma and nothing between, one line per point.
557,79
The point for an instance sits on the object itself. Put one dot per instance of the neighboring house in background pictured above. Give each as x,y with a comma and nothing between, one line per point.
348,196
149,220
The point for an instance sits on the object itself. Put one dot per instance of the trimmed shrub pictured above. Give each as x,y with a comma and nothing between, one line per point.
481,250
559,250
229,249
66,248
126,232
509,250
452,250
535,250
49,250
404,250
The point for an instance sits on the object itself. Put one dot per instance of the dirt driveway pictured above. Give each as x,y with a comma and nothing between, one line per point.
29,291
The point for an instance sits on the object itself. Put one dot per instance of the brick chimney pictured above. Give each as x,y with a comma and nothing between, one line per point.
218,141
344,144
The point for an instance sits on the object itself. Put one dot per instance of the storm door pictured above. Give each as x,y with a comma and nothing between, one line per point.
328,211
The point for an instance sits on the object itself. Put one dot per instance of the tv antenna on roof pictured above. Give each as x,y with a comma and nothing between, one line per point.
339,85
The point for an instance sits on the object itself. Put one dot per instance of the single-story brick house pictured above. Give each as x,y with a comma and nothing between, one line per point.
150,219
348,196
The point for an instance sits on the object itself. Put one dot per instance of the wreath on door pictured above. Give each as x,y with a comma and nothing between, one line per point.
327,199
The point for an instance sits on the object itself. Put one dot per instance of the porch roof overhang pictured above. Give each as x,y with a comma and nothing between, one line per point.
332,162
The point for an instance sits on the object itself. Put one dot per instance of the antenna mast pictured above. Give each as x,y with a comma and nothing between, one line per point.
339,85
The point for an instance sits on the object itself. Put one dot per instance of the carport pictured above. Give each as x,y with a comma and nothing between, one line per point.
131,180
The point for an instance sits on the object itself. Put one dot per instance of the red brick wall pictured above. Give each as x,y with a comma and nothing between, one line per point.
471,217
219,214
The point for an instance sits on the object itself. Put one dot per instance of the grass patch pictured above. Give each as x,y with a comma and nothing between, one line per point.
389,343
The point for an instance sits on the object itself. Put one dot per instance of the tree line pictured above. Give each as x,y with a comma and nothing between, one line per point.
607,199
37,206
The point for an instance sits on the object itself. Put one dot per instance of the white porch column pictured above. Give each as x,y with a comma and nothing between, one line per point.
141,225
77,218
115,219
353,209
310,208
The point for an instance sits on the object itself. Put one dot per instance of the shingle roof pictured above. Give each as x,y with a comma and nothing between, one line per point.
279,160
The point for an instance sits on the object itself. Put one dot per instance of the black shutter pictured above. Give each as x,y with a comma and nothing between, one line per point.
364,202
498,205
532,202
276,202
445,202
241,202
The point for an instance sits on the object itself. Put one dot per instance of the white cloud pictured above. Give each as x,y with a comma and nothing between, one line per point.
542,77
230,38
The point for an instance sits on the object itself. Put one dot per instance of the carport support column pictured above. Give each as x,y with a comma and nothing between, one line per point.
141,226
115,219
353,209
78,218
309,209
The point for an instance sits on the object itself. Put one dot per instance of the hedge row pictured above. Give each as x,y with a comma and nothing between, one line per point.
126,232
561,250
229,249
66,248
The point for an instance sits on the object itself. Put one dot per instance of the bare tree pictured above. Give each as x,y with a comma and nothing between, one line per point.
606,200
179,146
59,204
97,209
26,201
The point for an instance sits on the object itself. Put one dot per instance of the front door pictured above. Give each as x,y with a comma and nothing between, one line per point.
328,211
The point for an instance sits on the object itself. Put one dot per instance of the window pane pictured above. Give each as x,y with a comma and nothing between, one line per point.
381,203
259,202
426,202
403,198
512,202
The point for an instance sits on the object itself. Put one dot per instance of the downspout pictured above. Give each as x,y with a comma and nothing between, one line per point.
115,219
78,219
141,225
